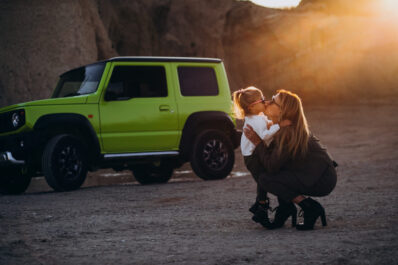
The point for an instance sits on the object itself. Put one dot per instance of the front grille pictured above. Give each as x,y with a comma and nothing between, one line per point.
5,124
2,144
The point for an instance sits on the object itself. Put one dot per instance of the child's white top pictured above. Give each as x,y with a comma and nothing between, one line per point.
259,125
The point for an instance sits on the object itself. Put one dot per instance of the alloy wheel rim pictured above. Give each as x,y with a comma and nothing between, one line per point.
215,154
69,162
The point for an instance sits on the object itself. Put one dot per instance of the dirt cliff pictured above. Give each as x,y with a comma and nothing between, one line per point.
318,49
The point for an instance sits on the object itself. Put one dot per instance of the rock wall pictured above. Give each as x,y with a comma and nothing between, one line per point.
40,40
319,50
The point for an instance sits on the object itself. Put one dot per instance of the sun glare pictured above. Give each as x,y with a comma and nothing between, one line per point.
277,3
389,7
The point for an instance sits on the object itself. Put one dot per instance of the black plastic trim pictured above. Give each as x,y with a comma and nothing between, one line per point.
204,120
71,120
163,59
12,143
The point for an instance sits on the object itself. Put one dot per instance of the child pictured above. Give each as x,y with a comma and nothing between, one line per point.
249,104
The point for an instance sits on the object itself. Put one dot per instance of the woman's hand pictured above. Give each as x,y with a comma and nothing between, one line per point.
252,135
285,123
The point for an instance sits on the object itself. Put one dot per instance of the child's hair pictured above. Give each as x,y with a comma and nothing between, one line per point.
243,98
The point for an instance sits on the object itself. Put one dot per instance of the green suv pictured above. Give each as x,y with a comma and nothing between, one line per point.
146,114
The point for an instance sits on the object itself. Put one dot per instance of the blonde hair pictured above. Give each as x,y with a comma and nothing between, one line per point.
243,98
294,138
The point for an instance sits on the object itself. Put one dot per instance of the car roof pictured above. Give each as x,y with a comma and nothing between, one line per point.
163,59
151,59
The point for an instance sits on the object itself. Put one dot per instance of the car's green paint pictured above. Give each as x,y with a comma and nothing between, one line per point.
138,124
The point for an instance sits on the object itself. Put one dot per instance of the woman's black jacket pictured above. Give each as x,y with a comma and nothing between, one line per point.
308,169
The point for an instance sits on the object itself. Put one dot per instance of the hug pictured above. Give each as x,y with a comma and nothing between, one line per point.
284,158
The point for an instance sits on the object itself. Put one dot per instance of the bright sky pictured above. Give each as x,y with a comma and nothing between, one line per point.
277,3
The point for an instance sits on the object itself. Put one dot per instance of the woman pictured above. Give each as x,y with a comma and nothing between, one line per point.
295,163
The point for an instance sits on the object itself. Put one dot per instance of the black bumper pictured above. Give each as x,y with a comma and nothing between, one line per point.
17,147
8,160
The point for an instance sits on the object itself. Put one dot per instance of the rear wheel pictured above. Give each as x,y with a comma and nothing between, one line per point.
155,172
64,162
15,181
213,156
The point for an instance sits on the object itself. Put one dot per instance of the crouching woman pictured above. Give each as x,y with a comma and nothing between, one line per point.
295,164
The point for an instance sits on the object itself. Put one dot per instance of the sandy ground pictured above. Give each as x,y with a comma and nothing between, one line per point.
113,220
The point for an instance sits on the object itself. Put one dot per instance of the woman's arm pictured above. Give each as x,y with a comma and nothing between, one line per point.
267,156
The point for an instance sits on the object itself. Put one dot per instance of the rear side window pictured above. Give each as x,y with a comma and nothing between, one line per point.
136,82
197,81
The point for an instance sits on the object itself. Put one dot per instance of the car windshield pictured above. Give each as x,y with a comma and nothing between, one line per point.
80,81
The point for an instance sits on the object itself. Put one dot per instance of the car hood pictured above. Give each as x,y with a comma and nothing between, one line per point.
45,102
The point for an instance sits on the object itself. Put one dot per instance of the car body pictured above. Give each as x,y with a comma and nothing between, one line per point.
147,114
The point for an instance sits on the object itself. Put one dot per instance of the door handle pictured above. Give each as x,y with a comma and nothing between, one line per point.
164,108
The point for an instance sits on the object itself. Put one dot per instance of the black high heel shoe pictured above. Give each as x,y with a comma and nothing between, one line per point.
312,210
283,212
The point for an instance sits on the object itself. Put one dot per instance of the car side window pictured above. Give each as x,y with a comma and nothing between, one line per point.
197,81
136,82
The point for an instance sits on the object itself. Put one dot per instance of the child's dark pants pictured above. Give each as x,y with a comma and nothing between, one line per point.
255,168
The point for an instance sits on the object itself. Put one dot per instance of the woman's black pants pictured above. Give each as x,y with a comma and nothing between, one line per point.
287,185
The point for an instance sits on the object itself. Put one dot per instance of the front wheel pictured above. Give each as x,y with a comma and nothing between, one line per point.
15,181
213,156
151,173
64,162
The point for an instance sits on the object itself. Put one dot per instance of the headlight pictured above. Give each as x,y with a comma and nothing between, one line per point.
12,120
15,119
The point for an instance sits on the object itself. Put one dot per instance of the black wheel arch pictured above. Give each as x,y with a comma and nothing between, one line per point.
205,120
47,126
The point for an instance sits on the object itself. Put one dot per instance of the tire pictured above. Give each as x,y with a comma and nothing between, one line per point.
64,162
213,156
16,182
152,173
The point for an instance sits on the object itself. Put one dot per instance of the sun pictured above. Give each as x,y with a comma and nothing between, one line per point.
277,3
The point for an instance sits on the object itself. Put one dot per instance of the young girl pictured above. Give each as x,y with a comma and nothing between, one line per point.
249,104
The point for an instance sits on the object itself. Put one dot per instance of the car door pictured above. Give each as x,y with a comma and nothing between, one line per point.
138,110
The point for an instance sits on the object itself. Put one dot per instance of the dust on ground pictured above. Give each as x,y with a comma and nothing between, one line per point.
114,220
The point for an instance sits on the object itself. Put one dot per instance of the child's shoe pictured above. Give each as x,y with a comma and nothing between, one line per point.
261,215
